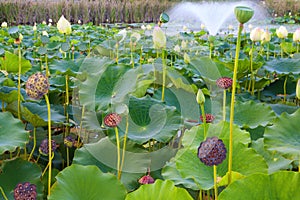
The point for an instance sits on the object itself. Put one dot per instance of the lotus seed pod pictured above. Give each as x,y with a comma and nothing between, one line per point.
243,14
69,141
147,179
212,151
200,97
112,120
37,86
224,82
209,118
164,17
25,191
44,147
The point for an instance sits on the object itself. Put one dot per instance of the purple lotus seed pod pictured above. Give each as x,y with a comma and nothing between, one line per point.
37,86
25,191
44,147
69,141
147,179
224,82
209,118
112,120
212,151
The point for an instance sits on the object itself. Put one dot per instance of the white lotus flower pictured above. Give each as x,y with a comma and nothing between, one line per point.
149,27
79,21
50,20
64,26
266,36
34,28
202,26
45,33
296,35
177,48
281,32
4,25
159,38
256,34
143,27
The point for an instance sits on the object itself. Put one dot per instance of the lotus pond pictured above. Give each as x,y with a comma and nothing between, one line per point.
130,112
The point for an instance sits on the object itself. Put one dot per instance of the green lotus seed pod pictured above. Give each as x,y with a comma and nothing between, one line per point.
164,18
243,14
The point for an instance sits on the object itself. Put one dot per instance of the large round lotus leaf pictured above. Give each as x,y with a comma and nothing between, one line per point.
284,135
12,133
192,138
151,119
169,172
10,94
282,185
251,115
85,157
79,182
68,67
275,160
280,108
11,63
20,171
283,66
159,190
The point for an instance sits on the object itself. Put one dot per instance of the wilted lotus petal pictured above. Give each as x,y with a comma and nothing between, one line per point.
212,151
146,180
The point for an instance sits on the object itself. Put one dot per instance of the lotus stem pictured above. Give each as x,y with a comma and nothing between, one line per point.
281,49
297,51
118,152
46,63
49,144
19,82
200,195
224,105
268,50
52,156
236,62
215,182
67,116
204,119
284,88
34,143
3,194
164,75
252,81
124,146
117,52
81,122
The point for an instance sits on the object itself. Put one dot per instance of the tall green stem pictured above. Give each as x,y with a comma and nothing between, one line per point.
49,144
67,116
19,81
118,152
124,146
284,88
164,75
34,143
236,62
215,182
224,105
252,81
3,194
203,119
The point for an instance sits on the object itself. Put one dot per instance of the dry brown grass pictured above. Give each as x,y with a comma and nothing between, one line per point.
281,7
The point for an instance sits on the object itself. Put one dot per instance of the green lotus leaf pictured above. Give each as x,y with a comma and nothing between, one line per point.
192,138
20,171
169,172
86,182
283,66
274,160
10,94
65,67
280,185
12,133
284,135
280,108
251,115
151,119
84,156
159,190
11,63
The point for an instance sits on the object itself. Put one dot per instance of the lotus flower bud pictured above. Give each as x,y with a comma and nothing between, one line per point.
230,27
112,120
250,26
4,25
243,14
266,36
212,151
37,85
34,28
202,26
25,191
64,25
143,27
159,38
50,20
200,97
186,58
79,21
183,44
296,35
44,22
298,89
256,34
281,32
149,27
45,33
